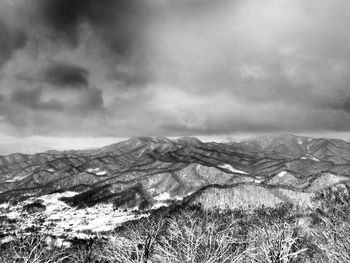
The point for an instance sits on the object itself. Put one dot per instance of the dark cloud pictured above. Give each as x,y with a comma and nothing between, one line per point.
65,75
116,22
132,67
11,40
32,99
29,111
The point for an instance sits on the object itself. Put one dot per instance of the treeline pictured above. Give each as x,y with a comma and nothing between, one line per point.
192,234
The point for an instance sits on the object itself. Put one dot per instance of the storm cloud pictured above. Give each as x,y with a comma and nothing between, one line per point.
66,75
12,38
118,24
161,67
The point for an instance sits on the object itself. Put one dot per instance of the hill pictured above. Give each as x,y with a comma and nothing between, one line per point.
144,173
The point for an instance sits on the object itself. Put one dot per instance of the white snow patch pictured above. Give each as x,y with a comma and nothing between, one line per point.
105,222
230,168
4,205
59,219
16,178
258,181
281,174
13,215
162,197
93,170
179,198
158,205
300,142
310,157
96,171
52,202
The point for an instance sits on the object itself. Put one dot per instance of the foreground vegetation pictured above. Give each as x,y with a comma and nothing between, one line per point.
192,234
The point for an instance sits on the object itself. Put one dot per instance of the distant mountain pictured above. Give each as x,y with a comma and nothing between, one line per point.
180,166
291,146
147,172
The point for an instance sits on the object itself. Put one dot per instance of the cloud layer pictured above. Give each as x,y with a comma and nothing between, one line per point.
160,67
64,75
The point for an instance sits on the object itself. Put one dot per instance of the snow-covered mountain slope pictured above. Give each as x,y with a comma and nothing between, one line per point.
146,173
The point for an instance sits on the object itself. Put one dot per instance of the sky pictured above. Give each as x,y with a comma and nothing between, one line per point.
92,70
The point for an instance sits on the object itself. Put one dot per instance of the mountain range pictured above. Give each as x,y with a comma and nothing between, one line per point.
76,194
139,170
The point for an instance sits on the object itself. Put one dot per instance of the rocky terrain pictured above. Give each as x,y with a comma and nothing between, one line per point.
81,193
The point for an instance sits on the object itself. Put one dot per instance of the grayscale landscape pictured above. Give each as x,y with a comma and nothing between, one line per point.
268,199
174,131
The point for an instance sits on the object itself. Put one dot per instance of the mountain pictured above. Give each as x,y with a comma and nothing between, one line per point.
180,166
291,146
144,173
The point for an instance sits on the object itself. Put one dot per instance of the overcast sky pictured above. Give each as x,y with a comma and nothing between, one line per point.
122,68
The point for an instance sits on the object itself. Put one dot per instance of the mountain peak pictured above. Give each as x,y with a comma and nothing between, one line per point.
188,140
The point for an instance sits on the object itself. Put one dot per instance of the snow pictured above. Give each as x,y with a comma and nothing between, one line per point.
281,174
258,181
101,217
96,171
92,170
4,205
13,215
162,197
310,157
300,142
53,203
59,219
230,168
158,205
16,178
106,222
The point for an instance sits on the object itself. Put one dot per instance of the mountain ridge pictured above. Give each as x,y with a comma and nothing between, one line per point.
129,179
115,164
